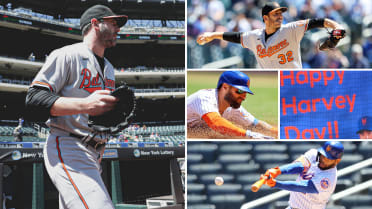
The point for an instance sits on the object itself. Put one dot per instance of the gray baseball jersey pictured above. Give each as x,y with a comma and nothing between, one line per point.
73,71
324,181
206,100
280,50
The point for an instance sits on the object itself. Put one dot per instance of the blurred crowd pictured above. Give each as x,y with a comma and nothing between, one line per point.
355,51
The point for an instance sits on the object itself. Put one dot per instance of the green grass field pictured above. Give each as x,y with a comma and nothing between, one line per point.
263,104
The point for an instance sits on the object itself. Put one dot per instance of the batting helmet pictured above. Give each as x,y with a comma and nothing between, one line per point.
332,150
236,79
364,124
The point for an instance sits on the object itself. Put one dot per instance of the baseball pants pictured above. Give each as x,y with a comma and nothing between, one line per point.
75,171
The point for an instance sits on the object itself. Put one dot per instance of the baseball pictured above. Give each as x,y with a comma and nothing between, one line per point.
218,180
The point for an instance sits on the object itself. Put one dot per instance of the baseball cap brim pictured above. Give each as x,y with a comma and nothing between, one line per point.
243,88
121,20
283,9
362,130
324,153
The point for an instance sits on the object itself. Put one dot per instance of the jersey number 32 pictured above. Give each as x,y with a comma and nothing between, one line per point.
287,57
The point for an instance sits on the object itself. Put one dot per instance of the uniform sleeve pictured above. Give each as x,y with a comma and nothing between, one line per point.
304,162
298,29
205,104
297,186
240,116
246,40
55,72
311,155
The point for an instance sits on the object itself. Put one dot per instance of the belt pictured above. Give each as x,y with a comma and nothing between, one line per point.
89,140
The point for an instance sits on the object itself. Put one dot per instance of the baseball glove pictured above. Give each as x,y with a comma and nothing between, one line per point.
120,116
331,42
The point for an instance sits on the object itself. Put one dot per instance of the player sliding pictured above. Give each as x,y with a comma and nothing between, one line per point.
217,113
277,45
317,176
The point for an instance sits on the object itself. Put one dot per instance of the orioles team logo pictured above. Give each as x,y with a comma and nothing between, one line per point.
93,83
364,121
324,183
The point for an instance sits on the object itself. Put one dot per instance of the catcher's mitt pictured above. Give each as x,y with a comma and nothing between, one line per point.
118,118
335,36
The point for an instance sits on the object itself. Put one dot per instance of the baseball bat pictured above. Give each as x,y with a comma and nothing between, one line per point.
257,185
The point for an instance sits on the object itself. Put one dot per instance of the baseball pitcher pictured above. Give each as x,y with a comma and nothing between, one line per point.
277,45
217,113
75,84
317,176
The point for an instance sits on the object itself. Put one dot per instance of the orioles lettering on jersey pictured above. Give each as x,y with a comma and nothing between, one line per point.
261,51
109,84
90,84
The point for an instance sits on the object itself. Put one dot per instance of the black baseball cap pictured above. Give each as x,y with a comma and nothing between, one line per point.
272,6
101,12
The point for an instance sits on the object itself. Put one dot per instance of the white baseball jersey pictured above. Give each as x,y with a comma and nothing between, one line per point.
206,100
280,50
73,71
324,181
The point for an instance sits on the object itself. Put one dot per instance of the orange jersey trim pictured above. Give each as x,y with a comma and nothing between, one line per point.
68,175
306,25
221,125
43,84
241,40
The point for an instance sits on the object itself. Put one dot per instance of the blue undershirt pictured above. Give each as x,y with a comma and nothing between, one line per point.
306,186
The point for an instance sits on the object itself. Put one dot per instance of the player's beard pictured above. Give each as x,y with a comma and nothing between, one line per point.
275,23
107,37
322,165
231,100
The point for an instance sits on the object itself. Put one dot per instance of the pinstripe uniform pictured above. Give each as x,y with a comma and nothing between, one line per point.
324,181
281,50
205,101
73,71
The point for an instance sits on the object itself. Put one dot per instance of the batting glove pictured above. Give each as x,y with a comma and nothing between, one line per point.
256,135
271,182
273,172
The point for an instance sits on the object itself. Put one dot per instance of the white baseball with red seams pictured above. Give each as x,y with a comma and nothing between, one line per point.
219,181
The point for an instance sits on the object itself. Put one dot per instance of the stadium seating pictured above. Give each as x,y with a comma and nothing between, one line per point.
191,178
227,201
195,198
356,200
235,148
343,184
365,149
242,163
202,206
166,133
